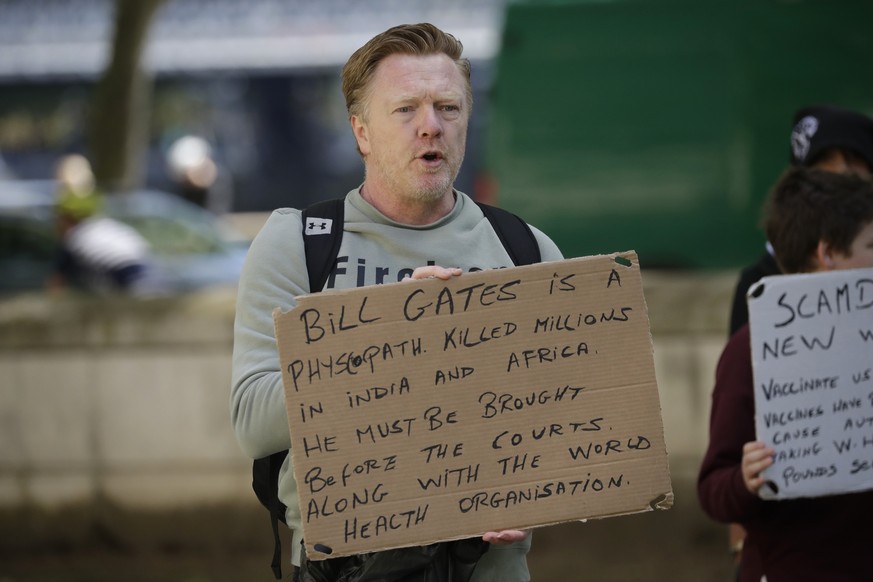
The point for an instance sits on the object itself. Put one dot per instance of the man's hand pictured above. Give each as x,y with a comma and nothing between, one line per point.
434,272
506,536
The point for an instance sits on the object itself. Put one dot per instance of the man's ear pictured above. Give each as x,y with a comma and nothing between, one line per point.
823,256
361,133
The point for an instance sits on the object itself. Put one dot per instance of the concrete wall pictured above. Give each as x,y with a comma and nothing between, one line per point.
126,401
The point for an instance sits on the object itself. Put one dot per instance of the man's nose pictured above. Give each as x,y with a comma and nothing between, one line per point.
430,124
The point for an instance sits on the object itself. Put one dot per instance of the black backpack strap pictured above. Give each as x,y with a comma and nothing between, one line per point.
277,511
515,234
265,482
276,563
322,234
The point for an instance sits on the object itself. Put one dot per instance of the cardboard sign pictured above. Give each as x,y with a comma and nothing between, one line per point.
812,358
433,410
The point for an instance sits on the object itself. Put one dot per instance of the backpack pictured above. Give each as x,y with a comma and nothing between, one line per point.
321,244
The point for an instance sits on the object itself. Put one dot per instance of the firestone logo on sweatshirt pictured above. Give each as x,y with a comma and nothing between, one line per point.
368,275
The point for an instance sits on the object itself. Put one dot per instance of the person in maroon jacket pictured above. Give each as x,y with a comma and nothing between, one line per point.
816,221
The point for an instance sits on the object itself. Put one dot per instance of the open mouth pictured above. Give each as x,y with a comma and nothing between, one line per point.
431,156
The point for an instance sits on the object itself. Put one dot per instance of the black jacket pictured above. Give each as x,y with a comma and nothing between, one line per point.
765,266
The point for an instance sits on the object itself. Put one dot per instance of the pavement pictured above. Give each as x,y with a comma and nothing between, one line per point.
679,545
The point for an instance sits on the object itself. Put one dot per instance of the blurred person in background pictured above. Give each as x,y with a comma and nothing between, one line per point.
196,176
97,253
815,221
824,137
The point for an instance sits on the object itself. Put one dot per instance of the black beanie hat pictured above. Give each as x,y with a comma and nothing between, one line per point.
821,127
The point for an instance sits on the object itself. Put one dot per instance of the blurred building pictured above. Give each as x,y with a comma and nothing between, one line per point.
259,80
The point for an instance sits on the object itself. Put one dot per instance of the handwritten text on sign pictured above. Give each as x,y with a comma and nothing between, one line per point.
433,410
812,354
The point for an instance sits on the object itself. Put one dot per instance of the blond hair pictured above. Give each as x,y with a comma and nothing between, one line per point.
410,39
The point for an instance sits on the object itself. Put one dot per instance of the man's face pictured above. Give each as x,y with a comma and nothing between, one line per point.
414,136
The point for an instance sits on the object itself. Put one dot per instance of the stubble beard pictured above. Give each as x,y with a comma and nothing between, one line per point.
420,186
434,186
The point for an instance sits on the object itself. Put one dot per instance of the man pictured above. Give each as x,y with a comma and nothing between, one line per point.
824,137
409,98
816,221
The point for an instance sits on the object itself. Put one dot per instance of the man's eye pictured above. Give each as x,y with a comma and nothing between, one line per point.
404,109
